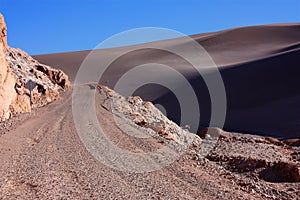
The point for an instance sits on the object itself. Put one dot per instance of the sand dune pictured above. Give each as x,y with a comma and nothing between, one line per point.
259,66
44,156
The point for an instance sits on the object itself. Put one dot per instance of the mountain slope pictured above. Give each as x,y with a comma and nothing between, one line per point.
259,66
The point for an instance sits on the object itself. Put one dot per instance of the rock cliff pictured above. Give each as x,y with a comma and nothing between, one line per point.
22,78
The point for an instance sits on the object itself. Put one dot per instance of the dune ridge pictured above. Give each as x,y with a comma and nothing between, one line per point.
58,151
259,66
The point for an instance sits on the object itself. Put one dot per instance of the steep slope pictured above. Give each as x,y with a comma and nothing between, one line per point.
24,82
7,80
259,67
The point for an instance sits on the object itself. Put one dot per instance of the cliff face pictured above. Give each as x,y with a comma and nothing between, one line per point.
20,73
7,80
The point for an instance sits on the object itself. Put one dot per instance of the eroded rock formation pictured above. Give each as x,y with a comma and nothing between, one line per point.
145,114
7,80
17,69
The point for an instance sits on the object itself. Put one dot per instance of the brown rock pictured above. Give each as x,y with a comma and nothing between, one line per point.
3,63
292,142
7,80
282,172
273,141
202,133
3,31
56,76
17,69
21,104
146,115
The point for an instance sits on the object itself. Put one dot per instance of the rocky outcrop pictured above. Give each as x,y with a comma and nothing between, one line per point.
22,78
7,80
3,39
144,114
266,158
48,82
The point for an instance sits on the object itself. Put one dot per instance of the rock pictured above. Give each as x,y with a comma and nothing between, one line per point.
49,82
7,80
203,132
56,76
20,105
249,164
282,172
17,69
272,140
212,132
3,39
146,115
292,142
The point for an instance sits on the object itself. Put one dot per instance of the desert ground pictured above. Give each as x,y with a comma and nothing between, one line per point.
256,156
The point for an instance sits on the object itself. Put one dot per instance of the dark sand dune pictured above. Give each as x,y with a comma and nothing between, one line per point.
259,66
43,156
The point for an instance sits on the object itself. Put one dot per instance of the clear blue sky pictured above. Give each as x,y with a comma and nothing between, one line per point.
47,26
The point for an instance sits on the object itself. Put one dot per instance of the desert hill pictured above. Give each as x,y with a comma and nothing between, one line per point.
259,67
58,151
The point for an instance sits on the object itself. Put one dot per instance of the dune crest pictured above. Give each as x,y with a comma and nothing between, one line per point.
258,64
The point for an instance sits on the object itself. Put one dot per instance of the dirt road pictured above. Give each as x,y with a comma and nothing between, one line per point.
42,157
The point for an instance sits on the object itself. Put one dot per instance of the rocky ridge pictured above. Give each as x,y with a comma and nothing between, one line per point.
144,114
265,158
20,73
7,80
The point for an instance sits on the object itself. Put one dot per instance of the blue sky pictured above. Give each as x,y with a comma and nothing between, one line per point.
48,26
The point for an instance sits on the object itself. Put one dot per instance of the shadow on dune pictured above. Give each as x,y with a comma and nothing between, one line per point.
259,66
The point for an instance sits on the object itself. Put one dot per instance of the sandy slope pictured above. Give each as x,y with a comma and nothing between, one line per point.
259,66
42,157
47,160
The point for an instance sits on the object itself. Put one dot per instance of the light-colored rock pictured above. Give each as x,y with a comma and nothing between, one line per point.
146,115
17,68
3,39
49,82
7,80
